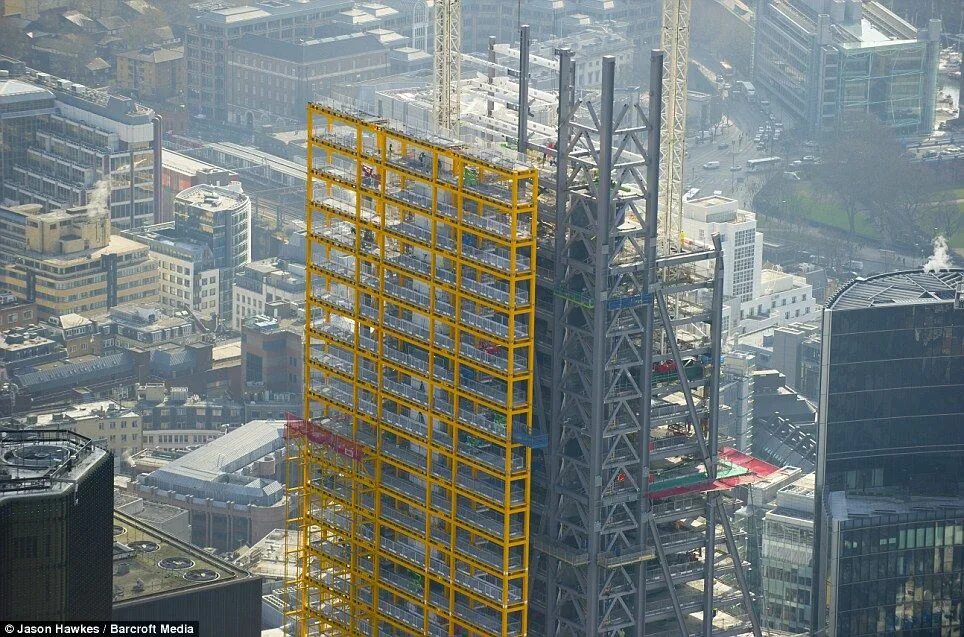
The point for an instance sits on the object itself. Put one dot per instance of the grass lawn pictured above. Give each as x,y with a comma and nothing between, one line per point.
808,203
949,195
827,210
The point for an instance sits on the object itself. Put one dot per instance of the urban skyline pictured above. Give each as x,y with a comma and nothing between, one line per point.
482,318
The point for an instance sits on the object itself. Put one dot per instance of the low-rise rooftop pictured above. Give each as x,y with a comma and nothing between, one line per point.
148,563
218,469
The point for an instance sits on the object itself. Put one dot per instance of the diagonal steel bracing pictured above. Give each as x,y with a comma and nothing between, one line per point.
630,345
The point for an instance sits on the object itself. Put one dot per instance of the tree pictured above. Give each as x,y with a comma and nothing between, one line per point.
863,165
903,197
947,217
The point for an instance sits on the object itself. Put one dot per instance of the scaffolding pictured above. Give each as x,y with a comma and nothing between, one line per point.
418,411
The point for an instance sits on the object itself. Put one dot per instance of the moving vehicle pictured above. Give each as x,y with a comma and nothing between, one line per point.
763,164
711,165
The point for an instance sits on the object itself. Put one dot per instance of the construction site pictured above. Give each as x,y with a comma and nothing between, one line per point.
513,362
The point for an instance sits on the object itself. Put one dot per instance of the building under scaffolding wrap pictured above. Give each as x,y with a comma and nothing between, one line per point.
513,420
419,367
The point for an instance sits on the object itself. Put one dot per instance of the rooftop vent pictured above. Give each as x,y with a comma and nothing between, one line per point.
176,563
144,546
201,575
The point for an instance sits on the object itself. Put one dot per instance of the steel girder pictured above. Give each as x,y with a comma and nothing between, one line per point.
607,561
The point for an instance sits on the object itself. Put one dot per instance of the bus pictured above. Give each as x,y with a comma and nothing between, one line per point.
764,164
747,89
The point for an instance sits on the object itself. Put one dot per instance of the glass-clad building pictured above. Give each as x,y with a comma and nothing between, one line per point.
892,386
822,59
896,565
891,415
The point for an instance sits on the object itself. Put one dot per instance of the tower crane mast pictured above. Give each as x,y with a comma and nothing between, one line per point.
447,65
675,41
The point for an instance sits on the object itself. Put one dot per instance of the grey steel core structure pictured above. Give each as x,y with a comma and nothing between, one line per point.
629,536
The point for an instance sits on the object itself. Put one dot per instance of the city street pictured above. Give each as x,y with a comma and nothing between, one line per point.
742,119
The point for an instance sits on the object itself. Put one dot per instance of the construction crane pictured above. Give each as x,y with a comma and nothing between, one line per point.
448,61
675,41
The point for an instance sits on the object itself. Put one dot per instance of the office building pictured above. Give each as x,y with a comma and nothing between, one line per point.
153,72
66,145
56,498
755,297
27,347
199,253
68,262
78,334
270,81
736,392
15,312
180,172
143,325
892,374
783,298
742,244
892,379
823,59
233,487
895,565
478,528
174,418
796,354
209,40
261,283
160,578
272,355
759,500
786,564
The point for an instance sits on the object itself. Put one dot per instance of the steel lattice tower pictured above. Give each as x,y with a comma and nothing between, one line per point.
630,531
675,40
447,65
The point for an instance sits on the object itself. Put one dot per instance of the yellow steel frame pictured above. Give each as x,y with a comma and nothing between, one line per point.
420,313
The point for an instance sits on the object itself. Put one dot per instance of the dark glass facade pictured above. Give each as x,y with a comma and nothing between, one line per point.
897,574
56,556
892,409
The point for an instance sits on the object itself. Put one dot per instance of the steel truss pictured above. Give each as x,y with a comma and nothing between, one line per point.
447,65
675,37
617,550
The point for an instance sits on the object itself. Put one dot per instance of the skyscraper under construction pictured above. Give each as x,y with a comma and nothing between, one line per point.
482,456
420,350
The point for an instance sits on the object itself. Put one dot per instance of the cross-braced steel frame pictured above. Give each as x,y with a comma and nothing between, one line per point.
629,537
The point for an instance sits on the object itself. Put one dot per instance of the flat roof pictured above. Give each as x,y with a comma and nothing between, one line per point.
847,506
148,563
215,469
186,164
267,10
311,50
13,91
213,198
908,287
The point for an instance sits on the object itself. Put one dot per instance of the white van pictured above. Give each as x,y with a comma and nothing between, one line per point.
711,165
